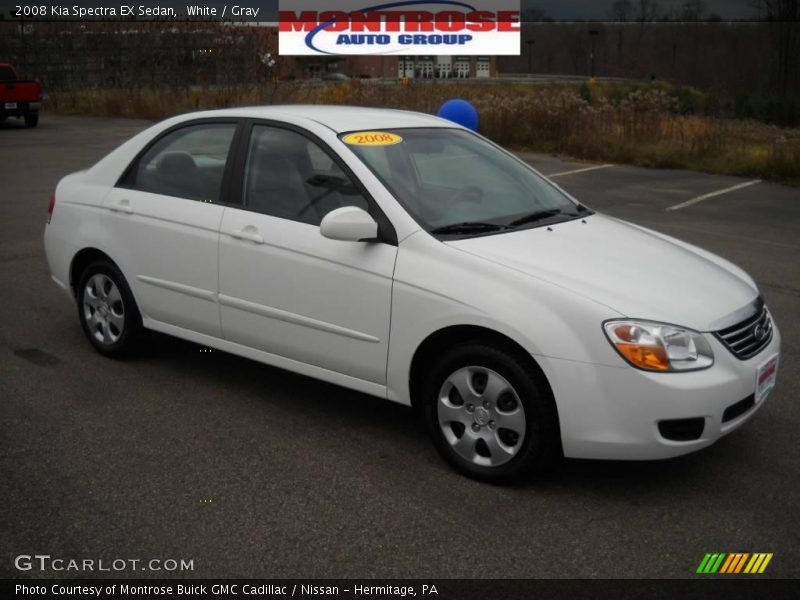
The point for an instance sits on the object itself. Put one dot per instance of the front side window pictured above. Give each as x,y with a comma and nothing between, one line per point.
453,182
289,176
187,163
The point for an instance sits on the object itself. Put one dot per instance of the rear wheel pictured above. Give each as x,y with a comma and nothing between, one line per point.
31,119
107,310
490,414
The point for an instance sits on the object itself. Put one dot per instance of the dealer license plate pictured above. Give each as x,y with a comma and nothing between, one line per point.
766,375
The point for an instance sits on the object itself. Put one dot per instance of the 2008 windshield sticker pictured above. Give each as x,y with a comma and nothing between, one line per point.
372,138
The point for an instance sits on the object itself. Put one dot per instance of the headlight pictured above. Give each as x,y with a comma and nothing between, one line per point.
659,347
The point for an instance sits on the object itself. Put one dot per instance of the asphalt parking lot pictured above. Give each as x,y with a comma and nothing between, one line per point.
254,472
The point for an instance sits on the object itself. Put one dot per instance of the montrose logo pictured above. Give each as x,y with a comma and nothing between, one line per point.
404,27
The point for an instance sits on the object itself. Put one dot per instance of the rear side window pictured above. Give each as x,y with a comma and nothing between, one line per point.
187,163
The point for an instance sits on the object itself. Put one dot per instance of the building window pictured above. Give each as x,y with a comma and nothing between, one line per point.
443,67
483,67
405,67
461,67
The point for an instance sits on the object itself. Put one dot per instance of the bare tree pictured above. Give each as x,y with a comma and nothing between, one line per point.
533,15
692,10
782,17
621,10
647,11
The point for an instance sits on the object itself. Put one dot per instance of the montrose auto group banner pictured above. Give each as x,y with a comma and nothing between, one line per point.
399,27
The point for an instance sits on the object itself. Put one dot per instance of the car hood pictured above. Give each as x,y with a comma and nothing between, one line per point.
631,270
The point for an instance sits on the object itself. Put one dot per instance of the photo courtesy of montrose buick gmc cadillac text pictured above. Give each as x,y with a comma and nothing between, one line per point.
405,257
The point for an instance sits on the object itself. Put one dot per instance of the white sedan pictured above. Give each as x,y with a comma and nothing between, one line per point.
403,256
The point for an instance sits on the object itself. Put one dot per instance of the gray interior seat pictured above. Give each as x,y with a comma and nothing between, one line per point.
177,175
276,187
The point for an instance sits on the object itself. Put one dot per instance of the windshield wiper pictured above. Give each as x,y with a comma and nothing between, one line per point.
468,227
538,215
482,227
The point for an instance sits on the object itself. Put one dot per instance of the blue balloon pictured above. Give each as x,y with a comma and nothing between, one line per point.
461,112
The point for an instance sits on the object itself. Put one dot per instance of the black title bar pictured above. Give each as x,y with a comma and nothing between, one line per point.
731,588
266,11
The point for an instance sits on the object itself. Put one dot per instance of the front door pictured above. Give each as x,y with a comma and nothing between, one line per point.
284,288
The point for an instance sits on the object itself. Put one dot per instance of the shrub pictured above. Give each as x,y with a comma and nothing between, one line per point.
656,125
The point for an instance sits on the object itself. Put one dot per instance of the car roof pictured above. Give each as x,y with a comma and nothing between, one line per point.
337,118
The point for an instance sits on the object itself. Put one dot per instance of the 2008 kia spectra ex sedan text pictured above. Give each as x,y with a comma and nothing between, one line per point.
401,255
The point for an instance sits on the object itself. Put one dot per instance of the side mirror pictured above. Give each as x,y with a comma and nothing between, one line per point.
349,224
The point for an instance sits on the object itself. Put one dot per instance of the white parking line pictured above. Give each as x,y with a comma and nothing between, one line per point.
594,168
714,194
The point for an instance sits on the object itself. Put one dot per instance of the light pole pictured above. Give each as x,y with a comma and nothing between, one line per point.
593,33
530,55
22,43
674,56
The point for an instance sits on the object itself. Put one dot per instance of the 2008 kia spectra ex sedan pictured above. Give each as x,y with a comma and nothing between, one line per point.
401,255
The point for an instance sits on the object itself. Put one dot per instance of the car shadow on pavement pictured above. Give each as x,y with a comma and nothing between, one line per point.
355,412
308,396
12,124
615,480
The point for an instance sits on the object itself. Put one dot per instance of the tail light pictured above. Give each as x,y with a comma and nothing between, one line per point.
51,206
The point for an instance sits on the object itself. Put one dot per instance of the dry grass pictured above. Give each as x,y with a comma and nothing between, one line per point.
636,125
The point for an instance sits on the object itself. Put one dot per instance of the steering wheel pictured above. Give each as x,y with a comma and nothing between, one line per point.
467,195
470,194
404,191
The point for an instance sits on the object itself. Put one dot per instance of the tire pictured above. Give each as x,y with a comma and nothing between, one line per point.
477,391
107,311
31,119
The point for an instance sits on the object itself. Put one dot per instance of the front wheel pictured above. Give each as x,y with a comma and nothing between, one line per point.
490,414
108,313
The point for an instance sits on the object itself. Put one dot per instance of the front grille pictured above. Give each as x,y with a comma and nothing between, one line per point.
749,337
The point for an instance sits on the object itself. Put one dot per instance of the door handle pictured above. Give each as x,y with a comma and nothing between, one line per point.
122,206
249,233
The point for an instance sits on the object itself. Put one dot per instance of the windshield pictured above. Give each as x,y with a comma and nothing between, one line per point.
455,183
7,74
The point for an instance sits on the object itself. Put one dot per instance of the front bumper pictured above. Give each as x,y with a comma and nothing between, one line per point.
613,412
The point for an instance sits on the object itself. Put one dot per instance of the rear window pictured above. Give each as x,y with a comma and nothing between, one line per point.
7,74
187,163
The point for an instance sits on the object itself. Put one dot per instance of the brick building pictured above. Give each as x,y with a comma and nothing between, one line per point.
411,67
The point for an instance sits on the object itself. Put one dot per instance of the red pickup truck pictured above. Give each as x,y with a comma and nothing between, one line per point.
19,98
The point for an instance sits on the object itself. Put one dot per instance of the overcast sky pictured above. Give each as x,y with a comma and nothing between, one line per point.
599,9
560,10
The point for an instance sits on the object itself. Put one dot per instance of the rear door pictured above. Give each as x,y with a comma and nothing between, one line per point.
284,288
165,216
